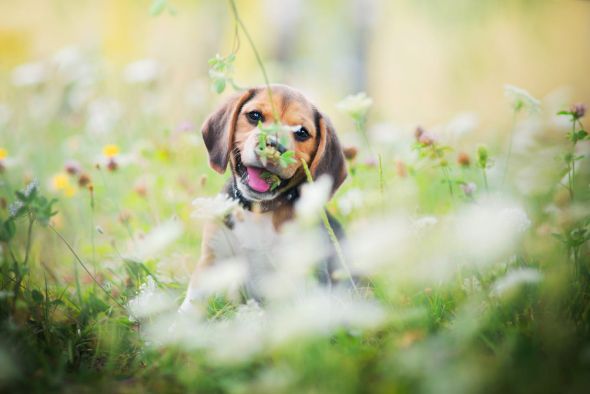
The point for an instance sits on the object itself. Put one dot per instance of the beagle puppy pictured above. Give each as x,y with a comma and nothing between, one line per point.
232,138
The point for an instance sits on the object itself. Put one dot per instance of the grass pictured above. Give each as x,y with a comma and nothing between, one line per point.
454,313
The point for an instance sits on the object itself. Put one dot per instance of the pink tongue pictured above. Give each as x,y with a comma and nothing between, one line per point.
255,181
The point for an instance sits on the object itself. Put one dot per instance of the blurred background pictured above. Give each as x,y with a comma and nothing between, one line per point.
423,61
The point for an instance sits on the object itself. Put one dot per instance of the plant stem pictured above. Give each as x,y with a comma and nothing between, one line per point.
381,181
485,180
448,179
84,266
509,153
573,162
29,239
239,21
331,233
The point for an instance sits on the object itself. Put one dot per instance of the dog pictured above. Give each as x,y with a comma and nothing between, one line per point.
232,138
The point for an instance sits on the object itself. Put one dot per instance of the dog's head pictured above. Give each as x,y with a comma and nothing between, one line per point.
231,136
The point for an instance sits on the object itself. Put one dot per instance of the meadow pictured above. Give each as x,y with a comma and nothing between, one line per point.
473,247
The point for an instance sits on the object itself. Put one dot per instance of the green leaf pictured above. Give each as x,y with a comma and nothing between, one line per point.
219,85
287,158
37,296
7,230
564,113
157,7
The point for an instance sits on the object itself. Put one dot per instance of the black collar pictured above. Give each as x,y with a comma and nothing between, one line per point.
288,197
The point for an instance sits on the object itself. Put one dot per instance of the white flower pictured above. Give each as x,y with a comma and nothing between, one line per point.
320,313
213,208
516,218
313,198
103,115
150,301
425,222
224,277
356,106
489,230
521,99
351,200
469,188
29,74
157,240
463,123
514,279
142,71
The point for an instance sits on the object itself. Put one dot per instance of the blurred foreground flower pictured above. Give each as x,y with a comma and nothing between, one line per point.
356,106
490,230
157,240
521,99
150,301
514,279
313,198
213,208
30,74
142,71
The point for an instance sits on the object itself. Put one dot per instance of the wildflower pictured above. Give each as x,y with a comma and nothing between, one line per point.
103,114
469,188
142,71
424,137
213,208
30,74
225,277
3,157
424,222
112,164
157,240
61,183
110,150
31,188
72,167
482,157
150,301
185,126
351,200
462,124
350,152
401,169
521,99
356,106
463,159
514,279
489,230
84,180
15,208
313,198
141,188
578,111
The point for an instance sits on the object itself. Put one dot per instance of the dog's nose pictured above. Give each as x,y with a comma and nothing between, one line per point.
271,141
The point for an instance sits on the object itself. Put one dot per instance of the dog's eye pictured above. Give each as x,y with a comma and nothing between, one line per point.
301,134
255,117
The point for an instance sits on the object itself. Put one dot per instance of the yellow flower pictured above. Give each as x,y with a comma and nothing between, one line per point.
110,150
61,182
3,153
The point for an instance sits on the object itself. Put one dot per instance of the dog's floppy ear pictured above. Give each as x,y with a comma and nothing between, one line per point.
329,158
218,130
